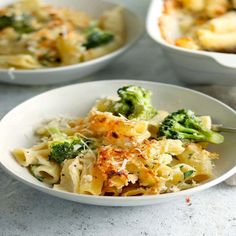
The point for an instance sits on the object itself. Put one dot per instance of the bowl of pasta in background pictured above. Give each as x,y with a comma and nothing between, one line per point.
93,61
34,111
191,66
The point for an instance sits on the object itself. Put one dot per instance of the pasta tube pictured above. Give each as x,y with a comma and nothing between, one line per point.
217,42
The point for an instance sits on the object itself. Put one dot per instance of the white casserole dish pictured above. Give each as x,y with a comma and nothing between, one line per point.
134,29
196,67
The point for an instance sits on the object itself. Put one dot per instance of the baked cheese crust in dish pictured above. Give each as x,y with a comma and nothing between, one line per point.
34,35
208,25
123,147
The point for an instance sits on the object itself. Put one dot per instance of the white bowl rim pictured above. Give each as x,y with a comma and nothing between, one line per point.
90,62
218,56
113,199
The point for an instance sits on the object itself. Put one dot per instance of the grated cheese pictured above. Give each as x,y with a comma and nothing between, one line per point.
123,165
88,178
132,178
77,147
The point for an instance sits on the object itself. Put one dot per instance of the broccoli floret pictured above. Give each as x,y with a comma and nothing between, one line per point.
183,124
97,37
20,26
63,147
135,102
6,21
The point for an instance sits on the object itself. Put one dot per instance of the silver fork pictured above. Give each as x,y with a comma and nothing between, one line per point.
220,128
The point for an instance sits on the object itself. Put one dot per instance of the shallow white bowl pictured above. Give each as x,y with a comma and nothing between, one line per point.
134,29
191,66
16,130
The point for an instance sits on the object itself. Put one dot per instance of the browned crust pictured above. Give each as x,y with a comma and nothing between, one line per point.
170,5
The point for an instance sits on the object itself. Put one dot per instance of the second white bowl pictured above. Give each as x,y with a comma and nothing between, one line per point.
134,29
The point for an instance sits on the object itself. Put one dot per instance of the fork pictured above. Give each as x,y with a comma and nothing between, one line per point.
220,128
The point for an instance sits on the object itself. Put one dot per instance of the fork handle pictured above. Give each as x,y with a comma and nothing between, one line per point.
220,128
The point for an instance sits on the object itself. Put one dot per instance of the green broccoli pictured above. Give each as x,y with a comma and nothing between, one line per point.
183,124
97,37
135,102
63,147
5,21
21,26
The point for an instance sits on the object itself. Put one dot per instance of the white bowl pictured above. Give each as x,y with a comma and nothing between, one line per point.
191,66
16,130
134,29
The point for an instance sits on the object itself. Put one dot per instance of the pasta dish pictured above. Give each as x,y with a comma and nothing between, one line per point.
208,25
123,147
34,35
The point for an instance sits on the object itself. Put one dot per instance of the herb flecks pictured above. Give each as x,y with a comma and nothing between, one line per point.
190,155
188,173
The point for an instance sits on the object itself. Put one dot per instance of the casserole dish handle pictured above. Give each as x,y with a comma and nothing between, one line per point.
226,60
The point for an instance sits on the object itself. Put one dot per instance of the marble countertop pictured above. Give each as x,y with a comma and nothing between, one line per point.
26,211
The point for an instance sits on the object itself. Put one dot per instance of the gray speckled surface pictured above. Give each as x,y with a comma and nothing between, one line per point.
25,211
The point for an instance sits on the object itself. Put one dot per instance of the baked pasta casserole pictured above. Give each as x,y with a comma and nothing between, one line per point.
208,25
